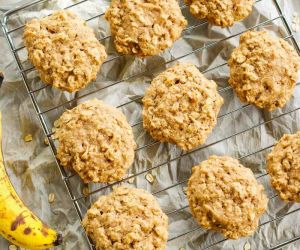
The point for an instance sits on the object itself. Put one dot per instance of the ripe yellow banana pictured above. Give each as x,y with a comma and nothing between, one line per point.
17,223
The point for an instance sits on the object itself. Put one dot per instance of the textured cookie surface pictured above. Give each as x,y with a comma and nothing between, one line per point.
145,27
225,197
181,106
221,12
283,165
263,70
64,50
127,219
96,141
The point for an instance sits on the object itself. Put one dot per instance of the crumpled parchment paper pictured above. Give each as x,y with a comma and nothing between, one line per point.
35,175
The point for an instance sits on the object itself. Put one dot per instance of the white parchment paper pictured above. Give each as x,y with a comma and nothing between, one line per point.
34,173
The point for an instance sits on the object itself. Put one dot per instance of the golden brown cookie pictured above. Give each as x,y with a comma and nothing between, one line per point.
181,106
145,27
224,196
283,165
96,141
221,12
64,50
127,219
264,70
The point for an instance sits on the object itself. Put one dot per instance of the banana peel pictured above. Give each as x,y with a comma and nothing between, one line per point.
17,223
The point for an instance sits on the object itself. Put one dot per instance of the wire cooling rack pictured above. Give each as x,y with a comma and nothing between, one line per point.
174,158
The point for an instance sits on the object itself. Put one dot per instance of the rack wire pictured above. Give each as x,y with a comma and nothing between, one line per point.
12,34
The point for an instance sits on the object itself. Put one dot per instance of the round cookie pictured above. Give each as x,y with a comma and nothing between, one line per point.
96,141
283,165
264,70
128,219
225,197
181,106
145,27
64,50
220,12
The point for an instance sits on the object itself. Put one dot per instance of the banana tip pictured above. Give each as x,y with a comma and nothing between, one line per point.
59,240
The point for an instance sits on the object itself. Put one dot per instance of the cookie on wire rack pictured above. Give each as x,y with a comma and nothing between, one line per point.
224,196
129,219
264,70
220,12
96,141
181,106
145,28
283,165
64,50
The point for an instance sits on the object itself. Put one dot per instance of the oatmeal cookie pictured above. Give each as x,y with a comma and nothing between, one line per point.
128,218
96,141
145,27
181,106
221,12
264,70
64,50
283,165
224,196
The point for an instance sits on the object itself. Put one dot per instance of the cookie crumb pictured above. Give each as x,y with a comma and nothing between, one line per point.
28,138
131,180
247,246
85,191
46,141
150,178
12,247
51,197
